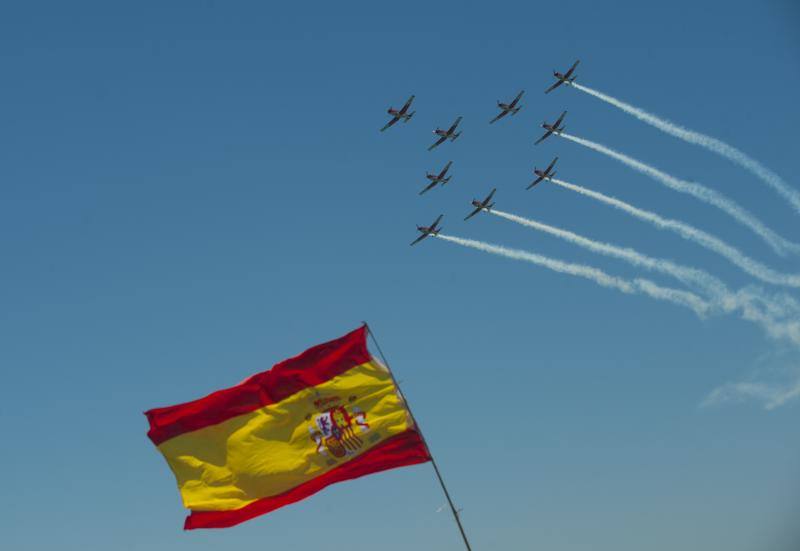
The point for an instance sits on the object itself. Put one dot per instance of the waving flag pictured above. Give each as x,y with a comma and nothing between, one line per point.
332,413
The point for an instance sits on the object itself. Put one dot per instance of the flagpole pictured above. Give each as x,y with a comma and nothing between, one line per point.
433,461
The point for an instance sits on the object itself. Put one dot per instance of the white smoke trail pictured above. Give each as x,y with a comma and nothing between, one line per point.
688,275
774,320
640,286
772,395
778,316
779,244
712,144
687,231
781,322
774,382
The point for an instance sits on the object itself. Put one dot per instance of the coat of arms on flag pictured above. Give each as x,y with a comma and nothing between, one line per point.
330,414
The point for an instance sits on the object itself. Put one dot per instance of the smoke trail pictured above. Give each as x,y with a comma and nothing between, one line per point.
781,320
712,144
690,276
774,382
707,195
778,316
772,395
635,286
702,238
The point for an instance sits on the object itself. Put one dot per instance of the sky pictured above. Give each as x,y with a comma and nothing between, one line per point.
193,191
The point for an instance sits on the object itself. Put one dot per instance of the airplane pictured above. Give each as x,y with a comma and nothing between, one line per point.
551,128
401,113
508,108
437,179
544,174
428,230
486,205
444,135
563,78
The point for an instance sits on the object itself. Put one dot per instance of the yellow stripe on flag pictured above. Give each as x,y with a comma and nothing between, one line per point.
273,449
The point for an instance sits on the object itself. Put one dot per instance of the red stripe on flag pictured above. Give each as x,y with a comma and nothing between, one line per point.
406,448
311,368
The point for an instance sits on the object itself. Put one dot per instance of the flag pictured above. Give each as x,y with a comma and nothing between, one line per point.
331,414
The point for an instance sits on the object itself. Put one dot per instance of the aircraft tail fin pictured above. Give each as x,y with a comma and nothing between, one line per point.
455,136
408,117
553,175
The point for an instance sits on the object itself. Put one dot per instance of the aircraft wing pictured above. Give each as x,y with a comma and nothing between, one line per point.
555,85
550,167
502,114
455,124
445,169
436,222
545,136
571,69
473,213
489,198
420,238
430,187
560,119
536,181
439,142
407,105
390,123
516,99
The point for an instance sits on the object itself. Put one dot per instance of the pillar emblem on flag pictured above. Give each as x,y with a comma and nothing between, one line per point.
337,429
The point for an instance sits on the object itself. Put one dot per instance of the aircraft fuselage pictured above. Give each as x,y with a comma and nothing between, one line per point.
396,113
446,134
563,78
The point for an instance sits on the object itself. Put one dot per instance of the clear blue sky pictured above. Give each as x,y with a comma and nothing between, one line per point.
191,192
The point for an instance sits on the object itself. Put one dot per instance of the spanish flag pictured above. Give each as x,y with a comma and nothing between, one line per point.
332,413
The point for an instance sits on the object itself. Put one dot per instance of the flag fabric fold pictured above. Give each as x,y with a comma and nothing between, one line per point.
330,414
